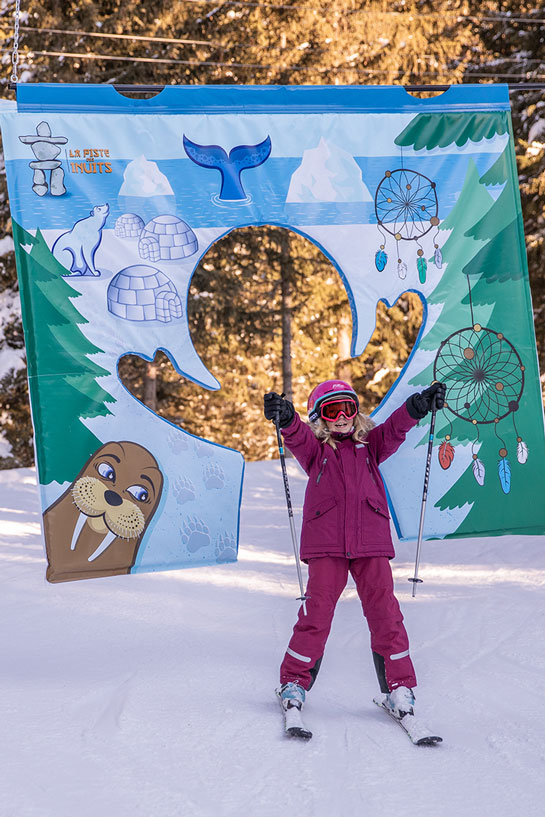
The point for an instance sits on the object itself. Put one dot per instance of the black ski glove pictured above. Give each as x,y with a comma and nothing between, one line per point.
419,404
276,406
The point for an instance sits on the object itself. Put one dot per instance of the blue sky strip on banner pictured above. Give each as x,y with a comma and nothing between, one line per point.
115,201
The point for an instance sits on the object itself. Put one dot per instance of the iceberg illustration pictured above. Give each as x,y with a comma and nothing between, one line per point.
143,178
146,191
327,173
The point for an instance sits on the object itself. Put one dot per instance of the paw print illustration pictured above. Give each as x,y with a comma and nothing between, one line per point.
203,450
184,490
226,548
195,534
213,476
178,442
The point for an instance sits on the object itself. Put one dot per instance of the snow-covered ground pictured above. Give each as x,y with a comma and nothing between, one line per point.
152,695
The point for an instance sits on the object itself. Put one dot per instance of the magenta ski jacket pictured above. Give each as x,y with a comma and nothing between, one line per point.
345,512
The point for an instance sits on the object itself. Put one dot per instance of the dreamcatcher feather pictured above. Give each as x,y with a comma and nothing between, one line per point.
446,454
522,451
479,471
422,266
504,473
437,255
381,258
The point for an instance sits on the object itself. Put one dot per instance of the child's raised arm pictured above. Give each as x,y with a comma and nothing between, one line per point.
385,439
298,436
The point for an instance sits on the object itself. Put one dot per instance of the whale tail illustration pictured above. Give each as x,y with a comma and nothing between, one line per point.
230,166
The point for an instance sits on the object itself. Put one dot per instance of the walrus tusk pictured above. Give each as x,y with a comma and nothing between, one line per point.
80,522
106,542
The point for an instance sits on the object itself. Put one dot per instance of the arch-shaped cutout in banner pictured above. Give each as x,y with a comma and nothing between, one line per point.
114,201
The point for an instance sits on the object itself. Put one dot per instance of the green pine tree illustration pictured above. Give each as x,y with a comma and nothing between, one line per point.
62,377
485,257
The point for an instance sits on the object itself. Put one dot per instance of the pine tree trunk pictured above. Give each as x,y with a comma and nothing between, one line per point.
150,386
343,369
286,285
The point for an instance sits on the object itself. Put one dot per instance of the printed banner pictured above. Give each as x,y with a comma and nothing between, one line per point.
114,202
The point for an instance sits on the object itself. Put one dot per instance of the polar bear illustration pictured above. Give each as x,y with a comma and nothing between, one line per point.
76,249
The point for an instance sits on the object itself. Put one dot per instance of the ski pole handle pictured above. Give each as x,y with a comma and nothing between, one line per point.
281,452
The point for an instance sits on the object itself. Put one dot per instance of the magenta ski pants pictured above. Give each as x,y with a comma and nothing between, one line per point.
327,578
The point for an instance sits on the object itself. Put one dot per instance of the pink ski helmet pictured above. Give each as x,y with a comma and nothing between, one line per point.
326,391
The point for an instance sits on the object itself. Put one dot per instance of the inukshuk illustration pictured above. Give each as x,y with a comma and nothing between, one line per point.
484,376
46,149
406,207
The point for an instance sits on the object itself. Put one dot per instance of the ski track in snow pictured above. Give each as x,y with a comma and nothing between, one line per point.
153,695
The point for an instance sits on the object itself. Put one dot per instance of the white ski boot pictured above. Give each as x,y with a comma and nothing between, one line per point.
292,698
400,702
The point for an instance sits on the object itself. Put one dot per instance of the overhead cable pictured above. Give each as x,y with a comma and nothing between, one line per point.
188,41
179,40
78,33
290,68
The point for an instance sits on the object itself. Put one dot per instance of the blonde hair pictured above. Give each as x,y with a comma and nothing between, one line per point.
362,426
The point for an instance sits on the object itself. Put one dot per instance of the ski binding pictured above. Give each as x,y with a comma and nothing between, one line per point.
417,731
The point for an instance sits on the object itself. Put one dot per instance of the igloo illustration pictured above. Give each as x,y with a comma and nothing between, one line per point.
166,238
143,293
129,225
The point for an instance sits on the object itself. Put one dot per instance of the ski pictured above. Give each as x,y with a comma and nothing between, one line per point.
293,721
417,731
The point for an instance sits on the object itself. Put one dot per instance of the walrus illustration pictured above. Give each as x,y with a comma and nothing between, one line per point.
96,526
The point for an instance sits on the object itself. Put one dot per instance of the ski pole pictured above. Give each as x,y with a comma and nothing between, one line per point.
415,580
302,597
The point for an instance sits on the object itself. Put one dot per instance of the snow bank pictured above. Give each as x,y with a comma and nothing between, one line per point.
6,245
153,694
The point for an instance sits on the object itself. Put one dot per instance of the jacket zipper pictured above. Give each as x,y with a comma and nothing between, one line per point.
370,471
318,478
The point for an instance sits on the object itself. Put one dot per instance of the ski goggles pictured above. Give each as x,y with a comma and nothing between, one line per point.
332,410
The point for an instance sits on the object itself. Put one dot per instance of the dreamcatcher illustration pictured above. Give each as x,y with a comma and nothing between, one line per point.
406,207
484,376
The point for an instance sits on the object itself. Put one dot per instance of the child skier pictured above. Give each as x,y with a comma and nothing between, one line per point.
346,529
